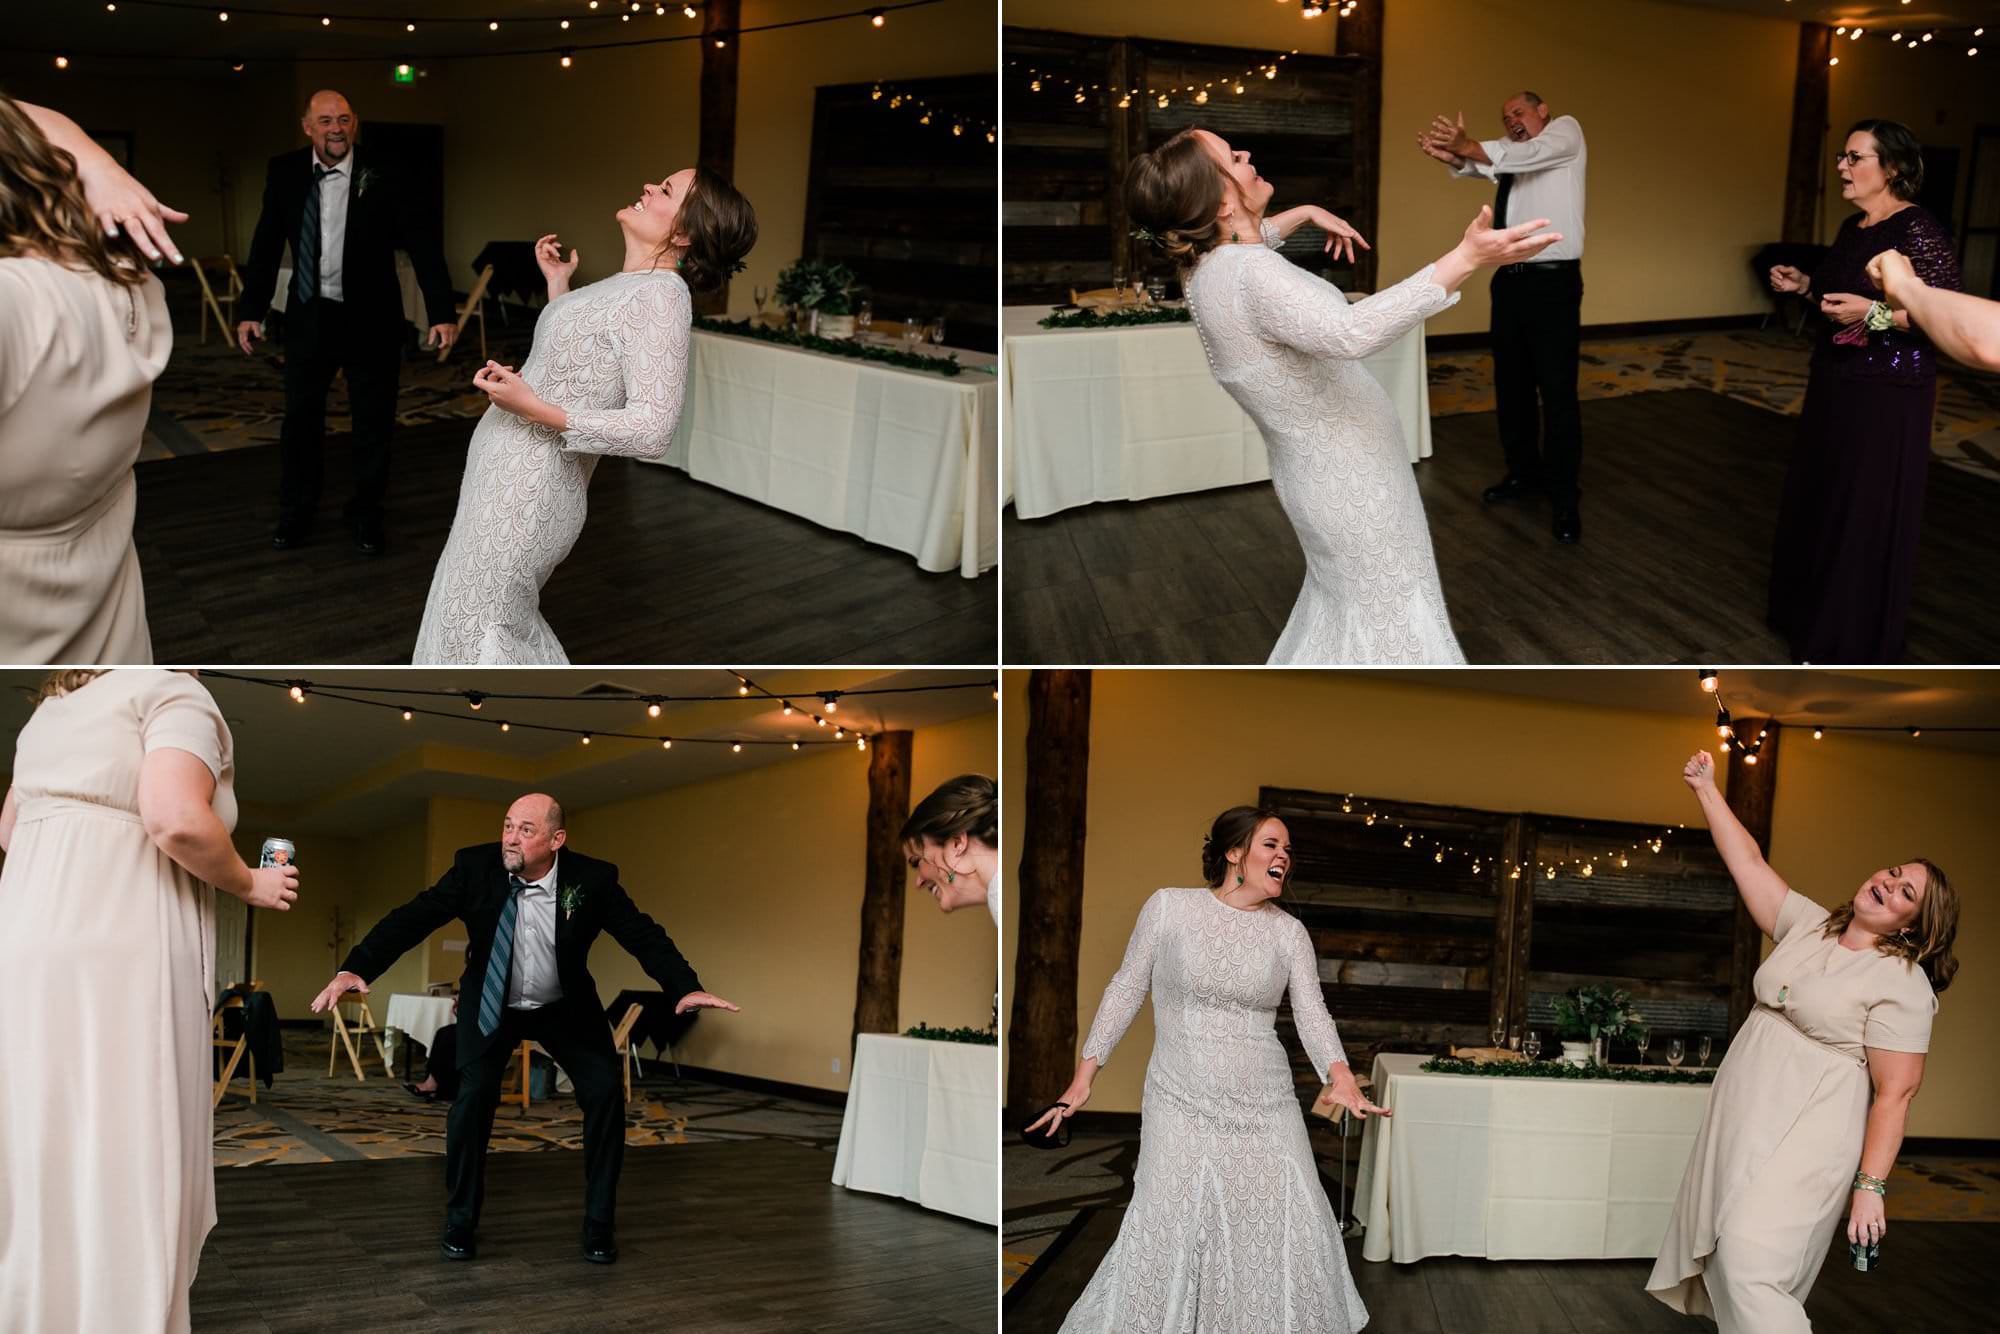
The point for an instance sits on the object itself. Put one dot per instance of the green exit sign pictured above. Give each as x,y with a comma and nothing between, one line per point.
406,74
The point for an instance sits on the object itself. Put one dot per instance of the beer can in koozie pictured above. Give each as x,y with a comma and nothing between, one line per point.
1867,1256
278,852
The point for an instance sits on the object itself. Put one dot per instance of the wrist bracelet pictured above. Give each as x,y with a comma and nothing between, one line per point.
1862,1181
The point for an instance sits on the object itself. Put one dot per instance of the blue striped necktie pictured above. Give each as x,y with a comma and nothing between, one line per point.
493,991
305,247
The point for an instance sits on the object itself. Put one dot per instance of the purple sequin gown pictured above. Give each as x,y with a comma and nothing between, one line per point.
1854,499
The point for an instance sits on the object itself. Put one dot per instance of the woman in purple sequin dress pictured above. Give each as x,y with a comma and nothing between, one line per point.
1853,506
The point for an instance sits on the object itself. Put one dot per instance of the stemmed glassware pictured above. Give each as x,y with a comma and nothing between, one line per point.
937,331
1676,1052
760,294
1645,1040
1707,1045
1499,1031
1533,1046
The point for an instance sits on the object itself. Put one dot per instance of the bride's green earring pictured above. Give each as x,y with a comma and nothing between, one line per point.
951,877
1239,877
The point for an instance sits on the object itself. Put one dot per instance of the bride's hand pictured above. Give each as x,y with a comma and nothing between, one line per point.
548,258
1071,1102
509,391
1340,235
1484,247
1345,1090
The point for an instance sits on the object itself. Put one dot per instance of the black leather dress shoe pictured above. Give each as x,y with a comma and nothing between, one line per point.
459,1243
600,1248
368,538
288,534
1510,487
1568,524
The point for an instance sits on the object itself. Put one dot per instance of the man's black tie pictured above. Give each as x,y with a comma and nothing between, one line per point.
305,249
1500,200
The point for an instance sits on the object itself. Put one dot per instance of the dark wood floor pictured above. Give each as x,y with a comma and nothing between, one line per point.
1941,1279
667,571
750,1238
1680,502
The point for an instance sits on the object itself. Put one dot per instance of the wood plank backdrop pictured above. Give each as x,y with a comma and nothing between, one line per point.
1417,954
1064,216
907,206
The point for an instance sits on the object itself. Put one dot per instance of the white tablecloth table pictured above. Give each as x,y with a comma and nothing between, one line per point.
905,459
419,1017
923,1123
1132,413
1520,1168
406,278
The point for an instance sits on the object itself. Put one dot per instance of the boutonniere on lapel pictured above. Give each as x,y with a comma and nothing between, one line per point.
362,180
569,900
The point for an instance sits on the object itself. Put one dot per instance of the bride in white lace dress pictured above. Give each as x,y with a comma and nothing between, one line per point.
1287,346
605,375
1229,1230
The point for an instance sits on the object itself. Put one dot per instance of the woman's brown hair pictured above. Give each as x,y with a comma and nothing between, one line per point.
1231,832
43,213
1173,194
964,805
1927,941
64,682
719,227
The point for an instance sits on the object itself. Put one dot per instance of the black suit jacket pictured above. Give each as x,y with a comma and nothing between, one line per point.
474,891
380,222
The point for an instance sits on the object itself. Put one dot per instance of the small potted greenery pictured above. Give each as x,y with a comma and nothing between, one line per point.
1589,1019
824,292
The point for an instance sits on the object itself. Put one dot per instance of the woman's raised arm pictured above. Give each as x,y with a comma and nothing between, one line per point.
1763,889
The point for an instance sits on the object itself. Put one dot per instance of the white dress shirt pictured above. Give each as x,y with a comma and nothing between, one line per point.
531,982
1548,182
333,192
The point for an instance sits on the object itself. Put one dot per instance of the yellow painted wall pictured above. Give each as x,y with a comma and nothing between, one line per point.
1169,750
757,878
1686,179
453,824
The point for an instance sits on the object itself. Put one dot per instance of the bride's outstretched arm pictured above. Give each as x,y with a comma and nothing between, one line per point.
1317,1033
1341,238
1124,997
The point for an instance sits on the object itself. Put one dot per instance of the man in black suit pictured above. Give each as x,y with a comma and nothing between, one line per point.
344,220
533,909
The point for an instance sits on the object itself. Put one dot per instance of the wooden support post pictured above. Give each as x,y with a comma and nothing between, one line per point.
1127,140
1055,790
878,989
1752,792
1513,928
721,20
1805,161
1360,34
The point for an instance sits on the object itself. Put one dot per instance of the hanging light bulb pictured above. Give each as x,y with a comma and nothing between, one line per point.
1818,732
407,715
475,700
1708,680
298,694
666,743
586,738
876,18
736,748
506,726
652,708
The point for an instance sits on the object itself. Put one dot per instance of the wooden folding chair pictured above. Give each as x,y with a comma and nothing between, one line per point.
515,1086
345,1034
211,304
237,1047
628,1050
473,309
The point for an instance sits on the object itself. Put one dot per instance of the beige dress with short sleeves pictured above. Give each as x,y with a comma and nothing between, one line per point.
78,357
107,1183
1773,1166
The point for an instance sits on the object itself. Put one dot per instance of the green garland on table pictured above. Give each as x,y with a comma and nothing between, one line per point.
836,347
1441,1065
984,1037
1090,319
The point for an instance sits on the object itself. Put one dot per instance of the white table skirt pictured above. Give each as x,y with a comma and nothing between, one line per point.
1128,414
420,1017
905,459
406,278
1521,1168
923,1123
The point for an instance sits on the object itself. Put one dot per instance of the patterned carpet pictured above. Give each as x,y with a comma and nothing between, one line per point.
1763,367
309,1117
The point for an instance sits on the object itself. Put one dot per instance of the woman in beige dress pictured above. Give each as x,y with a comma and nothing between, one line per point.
83,335
115,828
1817,1083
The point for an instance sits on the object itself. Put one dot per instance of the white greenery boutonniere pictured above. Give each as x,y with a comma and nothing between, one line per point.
362,180
570,899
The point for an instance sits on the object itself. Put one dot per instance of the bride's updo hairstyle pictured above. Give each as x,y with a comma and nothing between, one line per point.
1173,193
1231,832
719,226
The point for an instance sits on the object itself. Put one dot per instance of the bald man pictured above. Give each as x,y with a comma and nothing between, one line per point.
344,217
532,909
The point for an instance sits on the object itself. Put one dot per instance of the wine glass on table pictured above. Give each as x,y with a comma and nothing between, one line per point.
864,319
1676,1052
1707,1046
760,294
937,332
1498,1031
1533,1046
1645,1040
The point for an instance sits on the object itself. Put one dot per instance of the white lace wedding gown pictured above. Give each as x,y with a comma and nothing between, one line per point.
614,356
1287,346
1229,1230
